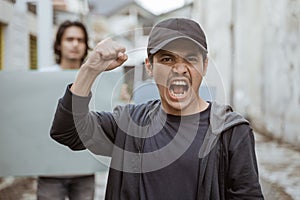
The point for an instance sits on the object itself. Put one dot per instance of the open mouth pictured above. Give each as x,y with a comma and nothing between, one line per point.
178,88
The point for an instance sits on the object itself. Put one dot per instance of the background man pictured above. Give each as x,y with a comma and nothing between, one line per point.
71,48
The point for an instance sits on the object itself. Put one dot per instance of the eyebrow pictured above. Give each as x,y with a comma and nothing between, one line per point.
163,52
169,53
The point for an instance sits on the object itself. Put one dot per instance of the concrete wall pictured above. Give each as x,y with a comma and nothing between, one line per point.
255,45
19,23
281,70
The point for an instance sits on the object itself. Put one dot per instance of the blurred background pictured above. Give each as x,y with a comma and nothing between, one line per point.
254,52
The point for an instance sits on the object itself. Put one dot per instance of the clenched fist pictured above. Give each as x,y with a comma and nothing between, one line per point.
107,55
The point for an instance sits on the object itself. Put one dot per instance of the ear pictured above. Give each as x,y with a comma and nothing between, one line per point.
148,67
205,65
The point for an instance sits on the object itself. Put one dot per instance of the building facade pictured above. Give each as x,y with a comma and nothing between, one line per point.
255,47
24,26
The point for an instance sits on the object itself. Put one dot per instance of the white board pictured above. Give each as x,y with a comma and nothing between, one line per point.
27,104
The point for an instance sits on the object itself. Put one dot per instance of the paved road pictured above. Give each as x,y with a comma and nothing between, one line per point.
279,167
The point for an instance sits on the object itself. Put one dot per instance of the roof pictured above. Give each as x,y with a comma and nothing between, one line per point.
107,7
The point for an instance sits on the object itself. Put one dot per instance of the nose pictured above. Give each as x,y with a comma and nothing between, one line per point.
75,42
180,68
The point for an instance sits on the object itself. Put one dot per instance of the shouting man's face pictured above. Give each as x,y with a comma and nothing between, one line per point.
178,70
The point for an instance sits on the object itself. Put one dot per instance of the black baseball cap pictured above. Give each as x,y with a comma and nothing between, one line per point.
172,29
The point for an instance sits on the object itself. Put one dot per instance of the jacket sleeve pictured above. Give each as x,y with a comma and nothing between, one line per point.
78,128
243,179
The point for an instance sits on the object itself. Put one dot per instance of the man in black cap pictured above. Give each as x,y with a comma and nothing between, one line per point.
178,147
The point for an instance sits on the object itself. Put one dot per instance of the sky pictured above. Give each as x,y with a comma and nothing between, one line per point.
161,6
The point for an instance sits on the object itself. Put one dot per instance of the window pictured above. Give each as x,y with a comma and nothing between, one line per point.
33,52
129,77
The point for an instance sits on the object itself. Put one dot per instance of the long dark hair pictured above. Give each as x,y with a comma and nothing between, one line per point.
61,30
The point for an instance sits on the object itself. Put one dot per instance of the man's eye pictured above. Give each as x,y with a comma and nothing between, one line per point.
166,59
193,59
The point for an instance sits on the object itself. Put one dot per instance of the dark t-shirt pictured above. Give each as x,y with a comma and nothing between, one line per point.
179,179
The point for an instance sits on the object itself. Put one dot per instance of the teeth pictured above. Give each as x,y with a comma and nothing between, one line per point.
179,83
177,95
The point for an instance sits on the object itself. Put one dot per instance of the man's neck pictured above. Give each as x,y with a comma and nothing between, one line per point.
70,64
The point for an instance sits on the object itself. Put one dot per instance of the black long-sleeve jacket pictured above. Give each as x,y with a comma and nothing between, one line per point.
227,156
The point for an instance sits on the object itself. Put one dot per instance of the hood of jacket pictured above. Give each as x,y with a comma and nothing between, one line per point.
222,118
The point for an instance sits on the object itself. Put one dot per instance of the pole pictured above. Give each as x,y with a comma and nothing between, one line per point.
232,56
44,39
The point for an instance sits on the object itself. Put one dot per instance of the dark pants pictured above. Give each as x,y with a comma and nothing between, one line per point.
75,188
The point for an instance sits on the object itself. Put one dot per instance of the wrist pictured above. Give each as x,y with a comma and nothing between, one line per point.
88,69
84,81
